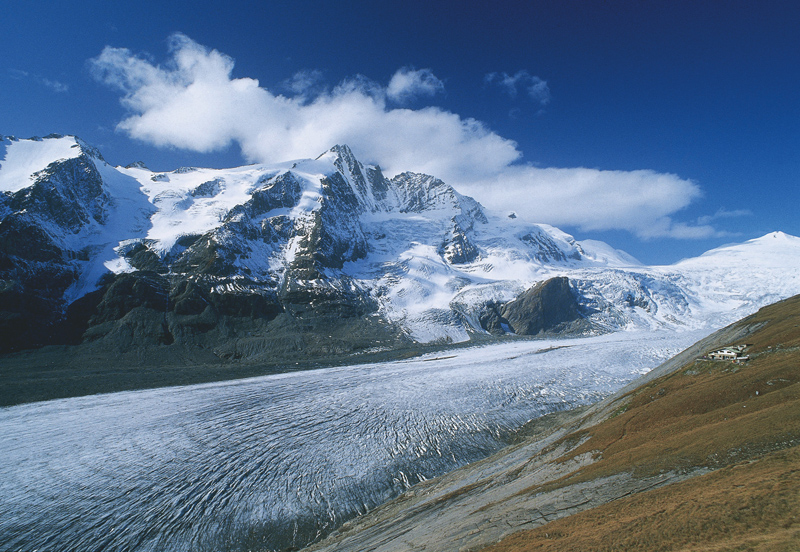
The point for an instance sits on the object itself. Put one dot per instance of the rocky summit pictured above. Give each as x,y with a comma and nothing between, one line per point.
319,258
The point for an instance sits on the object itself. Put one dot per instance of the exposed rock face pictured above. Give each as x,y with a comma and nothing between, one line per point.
37,264
548,307
546,250
419,192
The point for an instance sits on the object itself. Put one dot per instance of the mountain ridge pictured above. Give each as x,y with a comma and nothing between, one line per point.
254,261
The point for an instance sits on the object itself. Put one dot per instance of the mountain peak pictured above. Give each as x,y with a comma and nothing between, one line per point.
337,152
773,249
777,236
773,239
343,150
23,158
312,237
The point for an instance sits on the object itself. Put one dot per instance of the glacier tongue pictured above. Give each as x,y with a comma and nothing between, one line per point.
276,462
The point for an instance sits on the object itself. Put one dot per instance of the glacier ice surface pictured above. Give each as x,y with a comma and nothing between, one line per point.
280,460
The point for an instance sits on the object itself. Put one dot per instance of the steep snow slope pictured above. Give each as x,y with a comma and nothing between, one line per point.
24,158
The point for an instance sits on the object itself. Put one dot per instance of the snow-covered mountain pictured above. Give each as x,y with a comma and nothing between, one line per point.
325,255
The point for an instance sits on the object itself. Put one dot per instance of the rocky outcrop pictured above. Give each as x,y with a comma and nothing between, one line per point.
546,251
547,307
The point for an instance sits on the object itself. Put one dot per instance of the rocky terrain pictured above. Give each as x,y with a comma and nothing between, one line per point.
697,454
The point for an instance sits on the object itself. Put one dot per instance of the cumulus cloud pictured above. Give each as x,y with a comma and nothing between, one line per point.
532,86
192,102
640,202
409,83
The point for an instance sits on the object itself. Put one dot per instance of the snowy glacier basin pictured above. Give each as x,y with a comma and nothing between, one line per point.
277,461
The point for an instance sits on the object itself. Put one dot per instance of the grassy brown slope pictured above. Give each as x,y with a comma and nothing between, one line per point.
747,506
708,414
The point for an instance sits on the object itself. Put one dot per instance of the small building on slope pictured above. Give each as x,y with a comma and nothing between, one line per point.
734,353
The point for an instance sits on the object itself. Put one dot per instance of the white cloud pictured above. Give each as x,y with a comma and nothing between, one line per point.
640,202
534,87
54,85
306,83
192,102
723,213
408,83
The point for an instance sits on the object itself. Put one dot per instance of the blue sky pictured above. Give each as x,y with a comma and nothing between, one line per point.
663,128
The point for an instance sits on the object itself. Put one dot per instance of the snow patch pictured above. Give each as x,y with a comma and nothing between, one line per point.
23,158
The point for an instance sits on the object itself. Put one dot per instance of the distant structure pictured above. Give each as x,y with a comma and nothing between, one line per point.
734,353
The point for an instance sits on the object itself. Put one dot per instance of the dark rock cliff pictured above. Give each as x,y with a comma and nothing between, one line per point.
547,307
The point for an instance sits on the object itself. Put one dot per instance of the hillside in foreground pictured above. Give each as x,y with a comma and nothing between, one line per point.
696,455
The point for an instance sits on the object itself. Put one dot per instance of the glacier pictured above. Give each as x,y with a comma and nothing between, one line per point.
280,461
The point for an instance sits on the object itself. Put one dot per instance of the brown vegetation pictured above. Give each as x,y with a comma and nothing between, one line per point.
707,415
746,506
